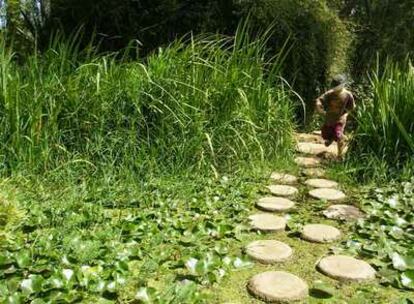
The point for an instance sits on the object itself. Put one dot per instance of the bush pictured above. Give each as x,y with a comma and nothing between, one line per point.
319,40
200,103
384,30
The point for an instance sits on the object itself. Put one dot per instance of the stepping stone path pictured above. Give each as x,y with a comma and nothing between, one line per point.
282,190
343,212
283,178
327,194
321,183
267,222
275,204
269,251
319,233
308,162
284,287
345,268
278,286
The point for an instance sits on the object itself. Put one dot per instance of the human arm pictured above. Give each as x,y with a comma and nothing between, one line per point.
350,105
319,103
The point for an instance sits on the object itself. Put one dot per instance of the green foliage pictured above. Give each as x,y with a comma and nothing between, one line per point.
319,40
383,28
387,234
385,128
153,23
118,239
195,104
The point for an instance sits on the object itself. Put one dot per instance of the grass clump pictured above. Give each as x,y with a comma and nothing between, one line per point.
385,126
205,101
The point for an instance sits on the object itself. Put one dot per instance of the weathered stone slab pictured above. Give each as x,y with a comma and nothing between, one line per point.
327,194
267,222
321,183
308,162
314,172
275,204
283,178
320,233
282,190
343,212
345,268
278,287
269,251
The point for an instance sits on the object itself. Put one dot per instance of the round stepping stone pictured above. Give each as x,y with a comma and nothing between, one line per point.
269,251
267,222
283,178
275,204
307,162
319,233
312,138
321,183
327,194
314,172
311,148
343,212
345,268
278,287
282,190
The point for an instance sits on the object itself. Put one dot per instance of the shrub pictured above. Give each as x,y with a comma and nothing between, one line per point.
319,39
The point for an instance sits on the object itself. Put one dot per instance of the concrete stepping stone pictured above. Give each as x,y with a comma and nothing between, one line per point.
310,138
283,178
267,222
269,251
278,287
327,194
282,190
310,148
307,162
343,212
275,204
321,183
345,268
320,233
314,172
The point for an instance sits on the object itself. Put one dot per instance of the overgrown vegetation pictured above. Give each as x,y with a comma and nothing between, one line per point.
385,131
201,103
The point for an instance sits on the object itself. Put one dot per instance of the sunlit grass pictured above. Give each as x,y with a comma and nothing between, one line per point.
385,133
202,102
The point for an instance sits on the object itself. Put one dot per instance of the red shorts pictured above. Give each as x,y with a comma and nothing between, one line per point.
333,132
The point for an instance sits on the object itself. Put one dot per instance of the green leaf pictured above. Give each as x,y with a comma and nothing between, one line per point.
23,259
5,258
407,279
15,298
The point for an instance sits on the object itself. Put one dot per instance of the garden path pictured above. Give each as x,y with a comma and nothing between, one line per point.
279,286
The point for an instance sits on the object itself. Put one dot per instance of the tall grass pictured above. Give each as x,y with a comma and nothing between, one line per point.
205,101
386,123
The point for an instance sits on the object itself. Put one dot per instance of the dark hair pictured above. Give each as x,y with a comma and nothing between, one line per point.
338,80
